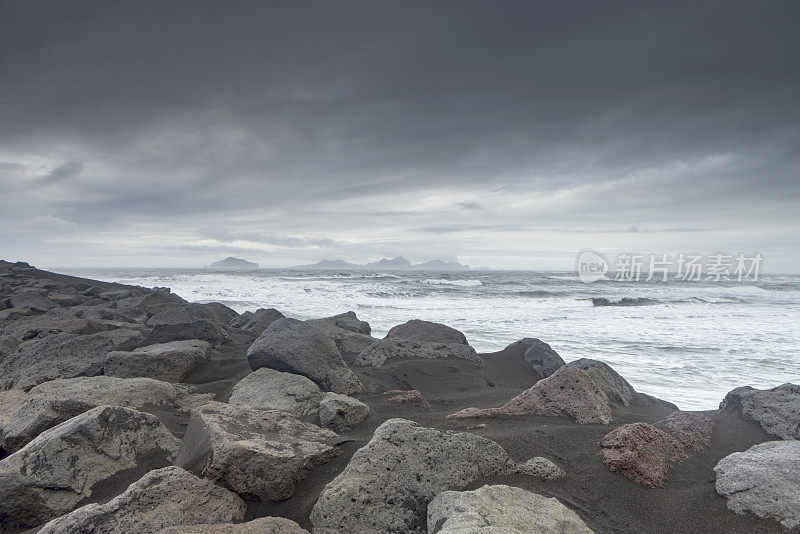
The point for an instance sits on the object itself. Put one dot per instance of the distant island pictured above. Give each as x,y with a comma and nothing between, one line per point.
233,264
394,264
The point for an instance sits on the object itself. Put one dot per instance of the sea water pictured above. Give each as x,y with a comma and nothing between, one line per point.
687,342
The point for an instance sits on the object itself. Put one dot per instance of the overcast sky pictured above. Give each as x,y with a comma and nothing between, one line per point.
502,134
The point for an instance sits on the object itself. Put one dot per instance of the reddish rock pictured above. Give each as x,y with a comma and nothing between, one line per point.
569,392
692,429
407,396
642,453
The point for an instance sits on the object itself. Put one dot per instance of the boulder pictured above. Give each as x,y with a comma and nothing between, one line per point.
407,396
777,410
199,329
57,356
150,303
259,454
340,412
170,362
544,360
297,347
389,482
162,498
35,328
213,311
569,392
268,389
58,469
763,480
10,400
642,453
692,429
350,334
54,402
541,468
616,388
33,301
501,509
256,322
262,525
417,330
124,338
394,348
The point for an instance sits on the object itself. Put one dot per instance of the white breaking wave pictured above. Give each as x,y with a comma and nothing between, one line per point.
460,283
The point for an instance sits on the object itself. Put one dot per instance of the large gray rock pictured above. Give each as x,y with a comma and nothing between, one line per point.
268,389
51,403
58,469
10,401
256,322
170,362
151,302
262,525
616,388
259,454
350,334
544,360
569,392
389,482
33,301
763,480
777,410
57,356
340,412
212,311
395,349
31,329
541,468
203,329
162,498
427,331
297,347
501,509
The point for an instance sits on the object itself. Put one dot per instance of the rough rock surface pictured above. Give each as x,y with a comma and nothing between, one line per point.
407,396
37,328
777,410
340,412
10,400
417,330
55,471
544,360
256,322
162,498
54,402
268,389
394,348
763,480
616,388
501,510
262,525
259,454
297,347
389,482
541,468
57,356
692,429
568,392
213,311
150,303
642,453
350,334
199,329
170,362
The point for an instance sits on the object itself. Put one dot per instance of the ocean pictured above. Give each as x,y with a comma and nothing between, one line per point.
685,342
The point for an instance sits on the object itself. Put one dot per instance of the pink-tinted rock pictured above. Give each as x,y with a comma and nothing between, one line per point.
407,396
642,453
692,429
569,392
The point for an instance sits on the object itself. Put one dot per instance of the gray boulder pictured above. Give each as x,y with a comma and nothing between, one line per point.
203,329
31,329
349,333
170,362
389,482
541,468
340,412
763,480
616,388
212,311
58,469
162,498
777,410
501,509
151,302
268,389
427,331
51,403
32,301
297,347
57,356
10,400
394,348
544,360
262,525
259,454
256,322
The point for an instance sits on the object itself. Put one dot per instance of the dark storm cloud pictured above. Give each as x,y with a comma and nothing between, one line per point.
310,124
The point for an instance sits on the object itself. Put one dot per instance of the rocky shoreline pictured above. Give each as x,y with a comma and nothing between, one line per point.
129,409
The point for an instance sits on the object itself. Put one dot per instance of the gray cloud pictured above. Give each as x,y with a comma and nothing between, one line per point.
292,127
